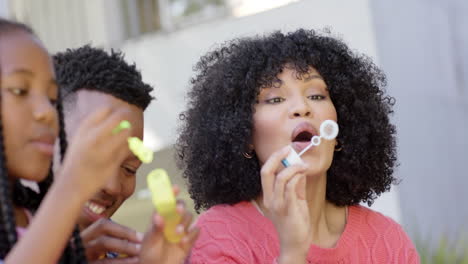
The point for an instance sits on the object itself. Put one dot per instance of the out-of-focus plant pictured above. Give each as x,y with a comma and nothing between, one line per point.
444,252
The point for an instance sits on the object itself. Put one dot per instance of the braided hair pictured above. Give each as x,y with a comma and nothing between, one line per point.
21,196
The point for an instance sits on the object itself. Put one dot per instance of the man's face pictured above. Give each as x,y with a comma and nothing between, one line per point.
122,185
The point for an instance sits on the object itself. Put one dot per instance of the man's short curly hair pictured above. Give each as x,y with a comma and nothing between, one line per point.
90,68
217,125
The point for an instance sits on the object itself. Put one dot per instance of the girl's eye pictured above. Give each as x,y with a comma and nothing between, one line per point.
19,91
275,100
316,97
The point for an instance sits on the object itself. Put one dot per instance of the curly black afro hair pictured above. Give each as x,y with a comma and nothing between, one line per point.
217,125
94,69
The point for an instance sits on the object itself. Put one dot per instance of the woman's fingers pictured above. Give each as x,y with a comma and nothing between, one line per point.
268,172
281,183
291,195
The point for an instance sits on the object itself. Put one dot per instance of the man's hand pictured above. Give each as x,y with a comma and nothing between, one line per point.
157,250
106,236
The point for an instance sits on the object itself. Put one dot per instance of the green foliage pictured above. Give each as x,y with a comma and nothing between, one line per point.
445,252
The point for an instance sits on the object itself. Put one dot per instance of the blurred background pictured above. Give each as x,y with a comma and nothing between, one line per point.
422,45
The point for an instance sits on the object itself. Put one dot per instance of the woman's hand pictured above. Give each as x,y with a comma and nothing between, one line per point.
285,204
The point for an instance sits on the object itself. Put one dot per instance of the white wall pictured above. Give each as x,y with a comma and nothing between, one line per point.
4,8
425,55
63,24
166,60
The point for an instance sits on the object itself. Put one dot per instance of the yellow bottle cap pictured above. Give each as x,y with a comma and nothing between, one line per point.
164,200
121,126
143,153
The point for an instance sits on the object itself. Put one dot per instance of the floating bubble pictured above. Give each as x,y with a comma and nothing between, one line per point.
328,129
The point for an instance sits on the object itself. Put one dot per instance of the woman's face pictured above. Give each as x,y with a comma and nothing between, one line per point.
28,95
290,115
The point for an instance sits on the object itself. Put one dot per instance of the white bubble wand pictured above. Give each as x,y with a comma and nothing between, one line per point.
328,131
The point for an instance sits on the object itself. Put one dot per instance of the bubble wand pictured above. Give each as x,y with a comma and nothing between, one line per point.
135,144
162,194
328,131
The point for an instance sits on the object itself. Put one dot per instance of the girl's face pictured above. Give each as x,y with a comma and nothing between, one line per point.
291,115
28,96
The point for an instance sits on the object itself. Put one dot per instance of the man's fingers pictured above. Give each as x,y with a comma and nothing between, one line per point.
104,244
112,229
176,189
180,207
130,260
189,239
155,232
185,222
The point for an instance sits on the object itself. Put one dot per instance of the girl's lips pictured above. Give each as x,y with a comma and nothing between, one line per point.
44,147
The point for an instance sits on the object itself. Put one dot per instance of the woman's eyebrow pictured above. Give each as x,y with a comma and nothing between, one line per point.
22,71
312,76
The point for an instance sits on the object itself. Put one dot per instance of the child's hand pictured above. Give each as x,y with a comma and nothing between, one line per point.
106,236
286,207
95,152
157,250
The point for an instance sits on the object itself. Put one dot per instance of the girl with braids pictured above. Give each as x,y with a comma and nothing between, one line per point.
251,100
31,120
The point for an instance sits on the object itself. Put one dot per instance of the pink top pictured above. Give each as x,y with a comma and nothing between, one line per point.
240,234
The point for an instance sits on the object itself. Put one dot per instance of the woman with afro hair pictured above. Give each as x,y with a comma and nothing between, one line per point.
252,99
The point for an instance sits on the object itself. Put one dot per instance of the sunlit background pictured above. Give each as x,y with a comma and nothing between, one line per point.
422,45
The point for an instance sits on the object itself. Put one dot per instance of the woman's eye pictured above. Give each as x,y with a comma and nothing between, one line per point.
18,91
53,101
316,97
274,100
